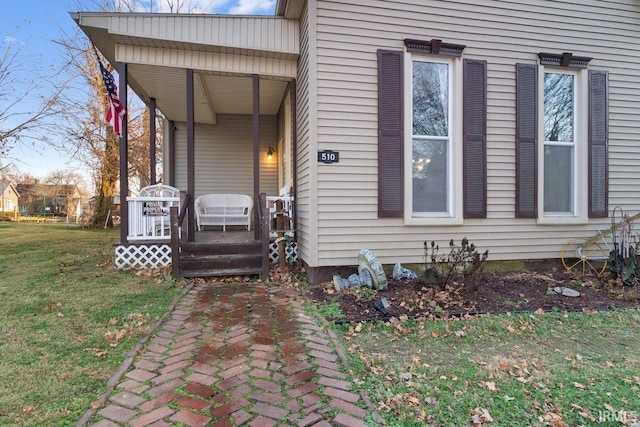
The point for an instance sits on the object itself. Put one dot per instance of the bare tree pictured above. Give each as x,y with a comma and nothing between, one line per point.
87,136
66,178
18,121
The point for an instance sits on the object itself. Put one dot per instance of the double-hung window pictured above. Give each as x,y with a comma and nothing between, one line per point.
431,137
559,125
431,149
564,145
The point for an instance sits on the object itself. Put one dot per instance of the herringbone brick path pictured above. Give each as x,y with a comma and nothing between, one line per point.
234,354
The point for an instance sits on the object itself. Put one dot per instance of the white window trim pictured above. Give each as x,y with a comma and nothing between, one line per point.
581,152
455,216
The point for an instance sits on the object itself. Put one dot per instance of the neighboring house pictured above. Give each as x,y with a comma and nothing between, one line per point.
514,124
9,199
59,200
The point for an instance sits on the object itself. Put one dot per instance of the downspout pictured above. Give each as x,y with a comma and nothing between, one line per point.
294,141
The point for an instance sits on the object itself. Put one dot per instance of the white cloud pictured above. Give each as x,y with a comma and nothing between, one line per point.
253,7
13,40
233,7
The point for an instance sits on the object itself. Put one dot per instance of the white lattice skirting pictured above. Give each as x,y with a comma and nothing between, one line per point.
141,257
290,252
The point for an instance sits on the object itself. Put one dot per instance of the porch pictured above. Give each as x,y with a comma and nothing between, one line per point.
160,213
225,103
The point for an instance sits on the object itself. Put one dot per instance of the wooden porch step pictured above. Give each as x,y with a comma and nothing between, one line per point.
230,272
198,249
220,259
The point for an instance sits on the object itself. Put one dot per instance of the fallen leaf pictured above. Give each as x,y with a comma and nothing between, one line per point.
413,401
406,376
580,386
489,385
480,416
431,400
508,398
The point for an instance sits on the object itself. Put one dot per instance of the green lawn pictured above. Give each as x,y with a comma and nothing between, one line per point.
555,369
67,319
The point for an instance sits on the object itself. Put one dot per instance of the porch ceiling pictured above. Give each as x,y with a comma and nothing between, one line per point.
160,48
213,94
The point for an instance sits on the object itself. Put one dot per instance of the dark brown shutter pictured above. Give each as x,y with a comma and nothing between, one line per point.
390,134
526,137
598,130
475,138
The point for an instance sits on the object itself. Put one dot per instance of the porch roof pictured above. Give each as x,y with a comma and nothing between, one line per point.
224,52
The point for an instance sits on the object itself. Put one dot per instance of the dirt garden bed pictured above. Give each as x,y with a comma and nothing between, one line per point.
493,292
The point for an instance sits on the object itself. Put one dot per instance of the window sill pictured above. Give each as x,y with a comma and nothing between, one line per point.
561,220
432,220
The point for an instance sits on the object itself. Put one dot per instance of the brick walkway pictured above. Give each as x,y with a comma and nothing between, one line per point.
233,354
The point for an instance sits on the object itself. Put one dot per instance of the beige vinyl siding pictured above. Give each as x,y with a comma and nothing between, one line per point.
503,33
305,191
224,156
228,33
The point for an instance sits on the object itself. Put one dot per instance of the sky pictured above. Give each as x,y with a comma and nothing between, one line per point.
34,26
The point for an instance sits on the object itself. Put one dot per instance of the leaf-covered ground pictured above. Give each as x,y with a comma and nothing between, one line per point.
492,292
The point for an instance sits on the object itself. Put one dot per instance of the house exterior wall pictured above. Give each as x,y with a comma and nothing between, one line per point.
306,110
9,201
344,195
223,156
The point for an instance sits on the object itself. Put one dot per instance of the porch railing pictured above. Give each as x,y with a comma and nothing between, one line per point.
149,212
176,217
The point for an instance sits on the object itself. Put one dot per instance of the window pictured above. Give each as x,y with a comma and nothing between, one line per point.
559,129
563,132
431,137
433,184
561,137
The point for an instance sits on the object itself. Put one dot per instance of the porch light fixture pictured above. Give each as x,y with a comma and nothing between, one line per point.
270,152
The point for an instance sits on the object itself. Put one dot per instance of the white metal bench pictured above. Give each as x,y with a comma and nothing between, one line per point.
223,210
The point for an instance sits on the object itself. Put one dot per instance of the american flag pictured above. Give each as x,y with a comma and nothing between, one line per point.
116,112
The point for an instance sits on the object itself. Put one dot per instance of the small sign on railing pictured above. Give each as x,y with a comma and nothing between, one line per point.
155,208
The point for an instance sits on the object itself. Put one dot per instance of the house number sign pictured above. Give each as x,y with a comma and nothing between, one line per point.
156,208
328,156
